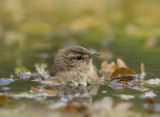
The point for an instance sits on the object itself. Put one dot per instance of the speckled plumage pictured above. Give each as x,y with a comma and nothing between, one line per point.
68,70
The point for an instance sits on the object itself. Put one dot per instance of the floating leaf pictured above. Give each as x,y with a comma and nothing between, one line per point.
121,63
122,72
126,97
108,68
5,81
3,99
20,69
34,89
41,71
142,70
140,88
120,86
49,91
25,75
149,94
44,90
155,81
125,79
119,70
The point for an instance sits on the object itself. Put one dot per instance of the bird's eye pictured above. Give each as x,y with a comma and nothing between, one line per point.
79,58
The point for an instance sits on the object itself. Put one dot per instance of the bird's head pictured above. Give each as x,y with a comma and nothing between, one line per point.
76,57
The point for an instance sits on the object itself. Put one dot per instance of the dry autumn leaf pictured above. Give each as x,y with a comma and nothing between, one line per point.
44,90
142,67
3,99
108,68
121,63
123,71
119,72
34,89
49,91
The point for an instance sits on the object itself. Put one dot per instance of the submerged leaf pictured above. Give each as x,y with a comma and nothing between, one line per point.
71,107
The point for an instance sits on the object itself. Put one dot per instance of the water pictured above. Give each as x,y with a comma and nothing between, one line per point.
24,55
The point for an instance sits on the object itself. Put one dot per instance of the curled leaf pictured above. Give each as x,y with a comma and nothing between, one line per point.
108,68
142,70
123,71
121,63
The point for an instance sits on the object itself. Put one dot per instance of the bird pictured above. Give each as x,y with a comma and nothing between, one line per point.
73,66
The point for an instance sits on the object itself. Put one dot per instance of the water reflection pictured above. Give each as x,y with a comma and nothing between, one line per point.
89,90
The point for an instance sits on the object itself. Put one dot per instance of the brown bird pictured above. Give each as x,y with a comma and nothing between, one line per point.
73,66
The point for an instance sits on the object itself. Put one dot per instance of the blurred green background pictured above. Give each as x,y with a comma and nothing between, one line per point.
31,31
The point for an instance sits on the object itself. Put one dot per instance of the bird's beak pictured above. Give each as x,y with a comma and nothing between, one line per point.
94,55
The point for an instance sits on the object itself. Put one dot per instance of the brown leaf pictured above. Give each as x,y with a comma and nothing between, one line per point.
44,90
142,70
108,68
34,89
3,99
75,108
121,63
150,101
49,91
123,71
142,67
